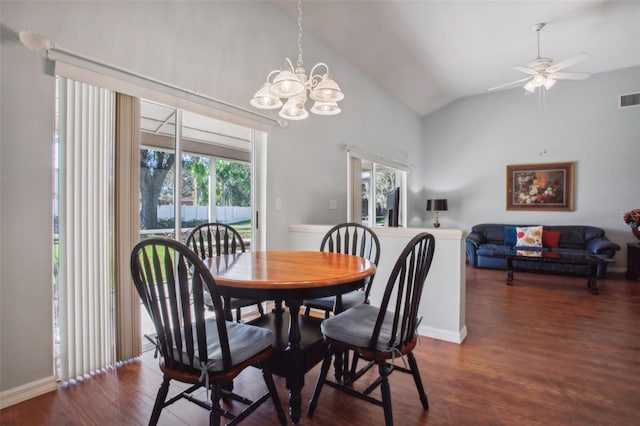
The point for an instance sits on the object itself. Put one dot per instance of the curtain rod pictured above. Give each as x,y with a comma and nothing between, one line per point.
36,42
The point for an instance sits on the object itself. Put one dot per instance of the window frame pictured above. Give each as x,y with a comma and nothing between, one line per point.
354,178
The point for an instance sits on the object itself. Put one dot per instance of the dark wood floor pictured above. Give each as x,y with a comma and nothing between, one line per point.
543,351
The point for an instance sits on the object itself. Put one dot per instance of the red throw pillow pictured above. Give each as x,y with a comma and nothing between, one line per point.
551,238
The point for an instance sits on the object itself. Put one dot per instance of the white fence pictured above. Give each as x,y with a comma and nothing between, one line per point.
224,214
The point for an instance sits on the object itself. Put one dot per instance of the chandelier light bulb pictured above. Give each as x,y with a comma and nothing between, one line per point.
264,100
286,84
294,109
325,108
327,90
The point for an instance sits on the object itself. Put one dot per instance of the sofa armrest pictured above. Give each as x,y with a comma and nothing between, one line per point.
602,245
474,239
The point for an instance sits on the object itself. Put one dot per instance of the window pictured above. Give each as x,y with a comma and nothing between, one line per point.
215,172
372,181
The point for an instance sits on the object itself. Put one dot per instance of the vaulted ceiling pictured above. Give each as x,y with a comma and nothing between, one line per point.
429,53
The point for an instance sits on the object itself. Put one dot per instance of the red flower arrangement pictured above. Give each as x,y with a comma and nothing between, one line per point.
632,218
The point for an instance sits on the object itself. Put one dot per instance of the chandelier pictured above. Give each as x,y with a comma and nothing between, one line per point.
292,85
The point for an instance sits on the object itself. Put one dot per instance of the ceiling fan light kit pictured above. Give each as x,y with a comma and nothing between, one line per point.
542,72
293,85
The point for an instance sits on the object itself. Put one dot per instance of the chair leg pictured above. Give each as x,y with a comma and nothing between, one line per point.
307,311
260,309
416,377
386,393
273,392
345,368
338,366
157,406
322,377
354,368
214,414
237,314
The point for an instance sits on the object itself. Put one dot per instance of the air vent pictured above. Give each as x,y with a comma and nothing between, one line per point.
630,100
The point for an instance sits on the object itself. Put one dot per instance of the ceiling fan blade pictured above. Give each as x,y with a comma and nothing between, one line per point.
568,62
513,83
571,75
525,70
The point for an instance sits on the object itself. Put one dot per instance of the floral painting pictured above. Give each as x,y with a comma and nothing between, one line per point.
540,187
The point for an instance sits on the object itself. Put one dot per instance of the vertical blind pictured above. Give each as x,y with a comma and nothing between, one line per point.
126,226
85,129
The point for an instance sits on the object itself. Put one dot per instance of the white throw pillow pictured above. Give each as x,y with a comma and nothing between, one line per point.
529,236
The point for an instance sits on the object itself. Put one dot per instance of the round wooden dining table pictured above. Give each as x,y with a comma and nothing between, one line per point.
290,276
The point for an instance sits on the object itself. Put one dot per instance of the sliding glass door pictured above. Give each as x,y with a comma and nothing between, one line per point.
211,182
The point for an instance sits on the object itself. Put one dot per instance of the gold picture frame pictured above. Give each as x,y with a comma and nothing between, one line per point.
540,186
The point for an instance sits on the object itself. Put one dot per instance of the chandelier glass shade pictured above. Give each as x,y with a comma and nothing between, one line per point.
289,88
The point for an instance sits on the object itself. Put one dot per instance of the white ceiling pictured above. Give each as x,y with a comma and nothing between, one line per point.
429,53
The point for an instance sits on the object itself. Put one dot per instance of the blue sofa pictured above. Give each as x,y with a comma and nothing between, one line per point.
486,246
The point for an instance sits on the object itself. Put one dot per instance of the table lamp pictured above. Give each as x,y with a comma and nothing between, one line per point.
437,205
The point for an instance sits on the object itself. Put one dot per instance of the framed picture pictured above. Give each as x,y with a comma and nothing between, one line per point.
540,187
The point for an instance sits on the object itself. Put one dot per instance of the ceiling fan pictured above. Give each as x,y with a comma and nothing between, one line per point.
542,72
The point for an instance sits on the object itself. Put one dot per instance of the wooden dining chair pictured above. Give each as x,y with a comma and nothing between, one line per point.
347,238
359,240
215,239
383,333
204,352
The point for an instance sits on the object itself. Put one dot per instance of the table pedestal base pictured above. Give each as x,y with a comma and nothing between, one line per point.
292,359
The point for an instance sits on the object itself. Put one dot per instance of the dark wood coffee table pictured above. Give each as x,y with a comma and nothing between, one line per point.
529,260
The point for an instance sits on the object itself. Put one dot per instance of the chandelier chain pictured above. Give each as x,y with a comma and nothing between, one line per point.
299,63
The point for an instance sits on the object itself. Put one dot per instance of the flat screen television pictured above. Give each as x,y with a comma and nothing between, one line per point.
393,207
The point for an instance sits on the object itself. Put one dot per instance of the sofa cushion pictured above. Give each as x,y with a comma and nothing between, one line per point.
530,236
494,234
551,238
510,236
572,238
494,250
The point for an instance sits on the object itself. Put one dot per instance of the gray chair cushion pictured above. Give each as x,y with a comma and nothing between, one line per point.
234,303
349,300
352,299
245,341
355,326
325,303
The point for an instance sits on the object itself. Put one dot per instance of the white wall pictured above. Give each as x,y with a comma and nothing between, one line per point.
469,143
221,49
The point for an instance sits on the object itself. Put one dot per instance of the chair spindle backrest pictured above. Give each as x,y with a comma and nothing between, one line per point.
355,239
404,290
170,279
215,239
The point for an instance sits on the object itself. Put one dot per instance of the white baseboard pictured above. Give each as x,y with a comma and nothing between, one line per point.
440,334
27,391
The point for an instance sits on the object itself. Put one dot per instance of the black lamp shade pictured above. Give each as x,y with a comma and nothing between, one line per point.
437,205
